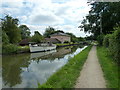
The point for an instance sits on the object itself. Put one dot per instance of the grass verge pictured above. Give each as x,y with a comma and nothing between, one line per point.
109,67
66,76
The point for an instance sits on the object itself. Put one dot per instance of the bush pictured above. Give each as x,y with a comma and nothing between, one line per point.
106,40
23,49
9,48
114,45
5,38
100,39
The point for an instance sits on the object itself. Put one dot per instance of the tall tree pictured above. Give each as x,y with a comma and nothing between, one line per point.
102,18
25,31
10,27
37,37
49,31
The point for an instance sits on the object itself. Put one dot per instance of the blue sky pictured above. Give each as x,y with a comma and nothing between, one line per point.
63,15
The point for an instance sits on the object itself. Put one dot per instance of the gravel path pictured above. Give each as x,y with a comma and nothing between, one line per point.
91,75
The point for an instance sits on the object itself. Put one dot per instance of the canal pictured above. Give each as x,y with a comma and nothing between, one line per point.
27,70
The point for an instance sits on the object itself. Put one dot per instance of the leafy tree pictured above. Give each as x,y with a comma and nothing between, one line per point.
37,37
80,39
5,39
102,18
59,31
49,31
10,27
25,31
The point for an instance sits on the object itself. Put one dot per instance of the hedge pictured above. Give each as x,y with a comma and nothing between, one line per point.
106,40
9,48
114,45
112,41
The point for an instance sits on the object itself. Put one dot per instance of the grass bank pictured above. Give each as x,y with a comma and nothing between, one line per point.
66,76
109,67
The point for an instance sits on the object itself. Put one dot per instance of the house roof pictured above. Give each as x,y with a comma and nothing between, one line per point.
60,34
52,40
25,41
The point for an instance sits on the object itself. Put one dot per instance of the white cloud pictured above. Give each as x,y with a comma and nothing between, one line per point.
72,29
38,14
48,19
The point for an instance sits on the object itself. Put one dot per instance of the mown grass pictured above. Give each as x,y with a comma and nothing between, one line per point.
66,76
109,67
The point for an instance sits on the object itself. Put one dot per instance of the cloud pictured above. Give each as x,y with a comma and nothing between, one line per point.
48,19
72,29
38,14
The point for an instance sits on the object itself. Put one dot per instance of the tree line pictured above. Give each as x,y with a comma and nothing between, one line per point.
13,33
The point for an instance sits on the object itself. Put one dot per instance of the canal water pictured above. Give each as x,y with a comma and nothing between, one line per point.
27,70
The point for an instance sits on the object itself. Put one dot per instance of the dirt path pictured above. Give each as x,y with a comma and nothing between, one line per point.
91,74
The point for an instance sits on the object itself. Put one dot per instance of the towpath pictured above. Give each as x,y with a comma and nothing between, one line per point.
91,75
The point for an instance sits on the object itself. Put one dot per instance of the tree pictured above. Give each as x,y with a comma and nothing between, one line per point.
49,31
80,39
102,18
10,28
5,39
37,37
58,31
25,31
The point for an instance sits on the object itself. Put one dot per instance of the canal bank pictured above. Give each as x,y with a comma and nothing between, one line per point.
68,74
14,49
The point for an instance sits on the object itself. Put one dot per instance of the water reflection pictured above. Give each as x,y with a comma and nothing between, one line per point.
26,70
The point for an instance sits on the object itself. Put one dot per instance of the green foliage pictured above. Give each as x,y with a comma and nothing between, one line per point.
25,31
102,18
5,39
81,39
9,48
23,49
106,40
100,39
109,67
37,37
48,32
114,45
68,74
10,27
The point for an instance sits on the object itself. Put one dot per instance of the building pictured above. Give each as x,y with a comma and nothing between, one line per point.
24,42
52,40
62,37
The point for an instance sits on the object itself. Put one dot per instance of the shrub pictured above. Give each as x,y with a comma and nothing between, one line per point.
114,45
5,38
23,49
100,39
9,48
106,40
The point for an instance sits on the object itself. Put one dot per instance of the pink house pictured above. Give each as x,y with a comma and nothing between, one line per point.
62,37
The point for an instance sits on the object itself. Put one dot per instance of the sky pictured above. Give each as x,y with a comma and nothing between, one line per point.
63,15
